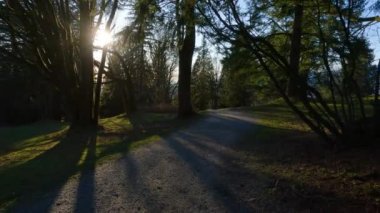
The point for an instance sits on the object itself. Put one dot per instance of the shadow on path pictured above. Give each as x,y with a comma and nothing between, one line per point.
51,169
85,201
205,160
203,147
212,149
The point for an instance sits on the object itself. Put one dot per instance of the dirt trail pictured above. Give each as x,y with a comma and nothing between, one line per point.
191,170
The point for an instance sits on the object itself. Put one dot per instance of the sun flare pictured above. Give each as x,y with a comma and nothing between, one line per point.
102,38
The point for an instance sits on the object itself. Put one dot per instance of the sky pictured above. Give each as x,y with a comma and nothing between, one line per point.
373,32
373,35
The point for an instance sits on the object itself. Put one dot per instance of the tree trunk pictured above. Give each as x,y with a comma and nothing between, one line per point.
186,51
295,81
128,100
86,66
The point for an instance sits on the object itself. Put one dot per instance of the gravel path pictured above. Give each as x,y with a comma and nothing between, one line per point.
191,170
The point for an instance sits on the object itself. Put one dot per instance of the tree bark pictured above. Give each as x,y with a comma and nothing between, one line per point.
86,64
186,51
295,81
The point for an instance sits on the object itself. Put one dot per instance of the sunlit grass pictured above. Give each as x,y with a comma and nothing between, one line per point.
23,143
119,123
19,136
278,116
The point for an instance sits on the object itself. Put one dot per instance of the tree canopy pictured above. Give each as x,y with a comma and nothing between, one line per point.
312,54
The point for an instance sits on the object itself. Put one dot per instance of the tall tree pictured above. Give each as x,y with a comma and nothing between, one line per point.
86,38
163,60
56,38
201,79
295,52
204,81
185,13
229,23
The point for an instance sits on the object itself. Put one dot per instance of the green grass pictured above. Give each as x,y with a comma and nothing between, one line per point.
19,136
35,158
278,116
22,143
303,170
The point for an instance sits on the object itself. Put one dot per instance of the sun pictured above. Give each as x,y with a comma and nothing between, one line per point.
102,38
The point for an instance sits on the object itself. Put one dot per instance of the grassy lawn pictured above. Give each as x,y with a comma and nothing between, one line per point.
36,157
306,172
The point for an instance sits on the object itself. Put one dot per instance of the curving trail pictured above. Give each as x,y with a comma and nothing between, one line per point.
195,169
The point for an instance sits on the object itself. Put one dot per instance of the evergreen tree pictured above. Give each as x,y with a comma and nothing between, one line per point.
202,79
